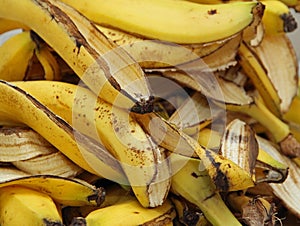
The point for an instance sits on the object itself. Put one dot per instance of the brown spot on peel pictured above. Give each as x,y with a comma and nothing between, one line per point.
212,12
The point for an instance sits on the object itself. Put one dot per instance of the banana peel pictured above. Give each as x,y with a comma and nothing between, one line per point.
195,18
34,207
288,190
278,18
268,169
58,132
252,210
239,145
73,192
225,174
278,57
21,143
83,47
16,54
156,54
195,185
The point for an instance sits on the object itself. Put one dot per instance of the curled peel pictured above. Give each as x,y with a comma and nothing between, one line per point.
226,175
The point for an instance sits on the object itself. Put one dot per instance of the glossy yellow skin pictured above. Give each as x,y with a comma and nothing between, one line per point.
23,206
169,20
16,53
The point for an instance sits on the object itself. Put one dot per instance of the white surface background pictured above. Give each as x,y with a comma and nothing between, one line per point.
6,35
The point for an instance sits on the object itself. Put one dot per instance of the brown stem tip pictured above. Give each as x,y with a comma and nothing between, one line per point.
290,146
78,221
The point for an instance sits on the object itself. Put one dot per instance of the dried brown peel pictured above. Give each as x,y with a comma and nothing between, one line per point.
253,33
253,211
187,213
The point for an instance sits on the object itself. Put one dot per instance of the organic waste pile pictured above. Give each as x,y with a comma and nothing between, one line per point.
149,112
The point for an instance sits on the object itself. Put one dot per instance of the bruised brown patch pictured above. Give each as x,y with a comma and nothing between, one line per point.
220,179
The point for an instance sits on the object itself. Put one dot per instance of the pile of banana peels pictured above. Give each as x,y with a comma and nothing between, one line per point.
149,112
